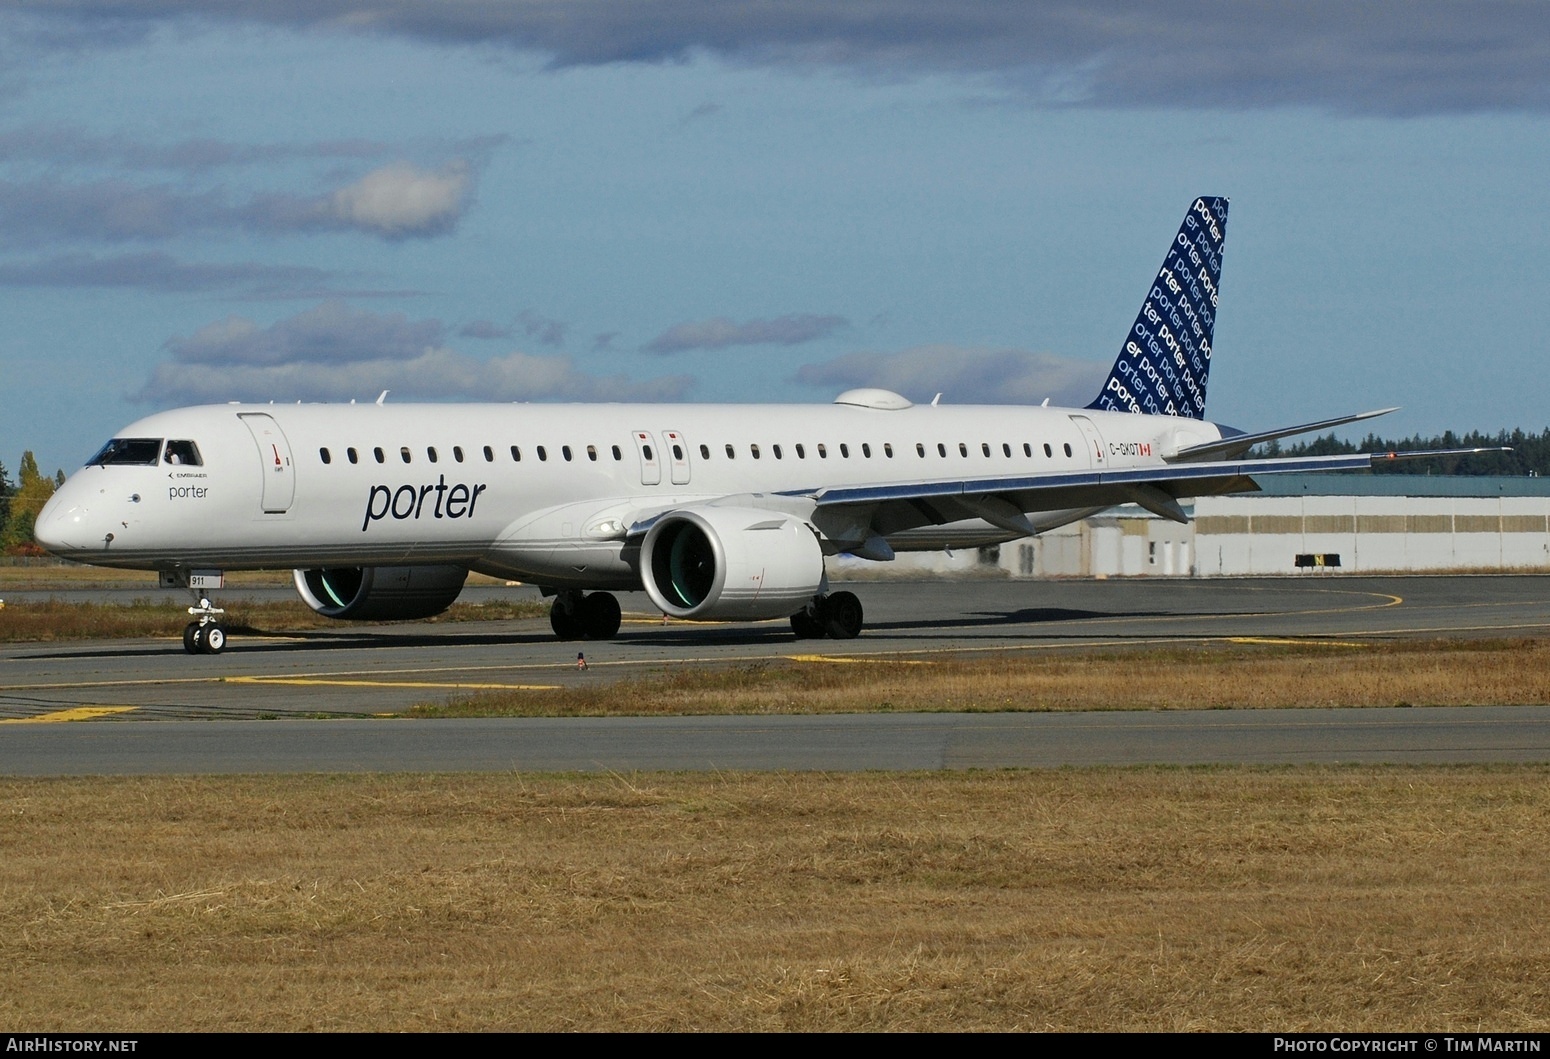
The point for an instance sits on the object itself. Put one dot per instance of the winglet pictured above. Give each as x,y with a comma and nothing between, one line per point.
1163,366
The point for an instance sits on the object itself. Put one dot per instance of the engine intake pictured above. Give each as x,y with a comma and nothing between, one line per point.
730,563
380,593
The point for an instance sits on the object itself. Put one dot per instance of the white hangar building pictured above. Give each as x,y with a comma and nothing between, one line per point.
1298,524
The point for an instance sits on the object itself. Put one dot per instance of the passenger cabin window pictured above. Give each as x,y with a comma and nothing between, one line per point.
1067,447
704,452
1027,449
543,454
678,452
489,454
823,453
617,454
776,450
457,453
403,453
801,452
138,452
985,447
754,449
844,450
354,456
565,451
888,449
380,457
941,449
1006,450
592,453
516,454
731,452
322,455
184,453
920,450
963,450
866,449
1047,450
430,454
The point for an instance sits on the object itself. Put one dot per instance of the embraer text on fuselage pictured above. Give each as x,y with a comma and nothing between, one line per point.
408,501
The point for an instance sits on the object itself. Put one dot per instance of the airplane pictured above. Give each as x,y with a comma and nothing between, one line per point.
719,512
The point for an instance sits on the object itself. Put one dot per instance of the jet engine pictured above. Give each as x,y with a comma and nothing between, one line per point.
380,593
728,563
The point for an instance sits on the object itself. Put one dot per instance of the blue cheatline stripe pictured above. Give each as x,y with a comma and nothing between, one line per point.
1164,365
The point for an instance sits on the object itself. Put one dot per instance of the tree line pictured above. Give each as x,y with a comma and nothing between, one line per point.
1530,455
20,502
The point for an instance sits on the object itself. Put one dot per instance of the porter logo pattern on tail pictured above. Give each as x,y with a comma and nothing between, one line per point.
1163,366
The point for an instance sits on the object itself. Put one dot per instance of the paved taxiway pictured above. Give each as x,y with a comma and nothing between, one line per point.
358,672
832,743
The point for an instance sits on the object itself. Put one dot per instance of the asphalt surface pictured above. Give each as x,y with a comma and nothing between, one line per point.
197,702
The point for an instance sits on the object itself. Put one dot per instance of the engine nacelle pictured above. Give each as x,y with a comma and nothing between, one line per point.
380,593
730,564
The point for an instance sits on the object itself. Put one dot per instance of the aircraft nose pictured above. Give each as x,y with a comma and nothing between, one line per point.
61,527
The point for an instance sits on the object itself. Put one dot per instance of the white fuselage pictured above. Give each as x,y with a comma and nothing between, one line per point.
544,493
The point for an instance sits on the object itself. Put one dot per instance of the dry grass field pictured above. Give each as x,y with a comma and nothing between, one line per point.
1213,676
1146,899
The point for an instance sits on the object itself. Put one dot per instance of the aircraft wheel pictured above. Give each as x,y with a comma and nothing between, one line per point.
214,640
842,616
806,626
600,616
192,637
564,619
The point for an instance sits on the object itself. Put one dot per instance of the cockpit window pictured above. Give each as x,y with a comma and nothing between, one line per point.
139,452
182,452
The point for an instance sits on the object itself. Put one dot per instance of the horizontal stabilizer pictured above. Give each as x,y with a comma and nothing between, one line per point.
1386,457
1238,444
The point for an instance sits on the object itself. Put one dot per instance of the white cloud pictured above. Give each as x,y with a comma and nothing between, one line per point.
964,375
334,352
436,374
719,332
330,332
402,200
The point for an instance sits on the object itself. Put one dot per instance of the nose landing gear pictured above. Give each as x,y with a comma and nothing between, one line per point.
206,635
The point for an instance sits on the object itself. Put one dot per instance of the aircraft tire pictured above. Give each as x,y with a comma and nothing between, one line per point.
564,620
213,642
806,626
600,616
192,638
842,618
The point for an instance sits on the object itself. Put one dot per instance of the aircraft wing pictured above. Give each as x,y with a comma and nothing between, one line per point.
862,512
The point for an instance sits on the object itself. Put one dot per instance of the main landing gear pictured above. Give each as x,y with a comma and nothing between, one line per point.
206,635
590,616
837,616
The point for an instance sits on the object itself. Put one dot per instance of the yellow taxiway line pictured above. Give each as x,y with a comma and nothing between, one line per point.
1295,642
853,659
77,713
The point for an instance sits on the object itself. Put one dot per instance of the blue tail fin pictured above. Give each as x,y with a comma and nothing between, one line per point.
1166,359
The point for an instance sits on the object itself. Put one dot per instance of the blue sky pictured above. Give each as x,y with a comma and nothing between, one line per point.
723,202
